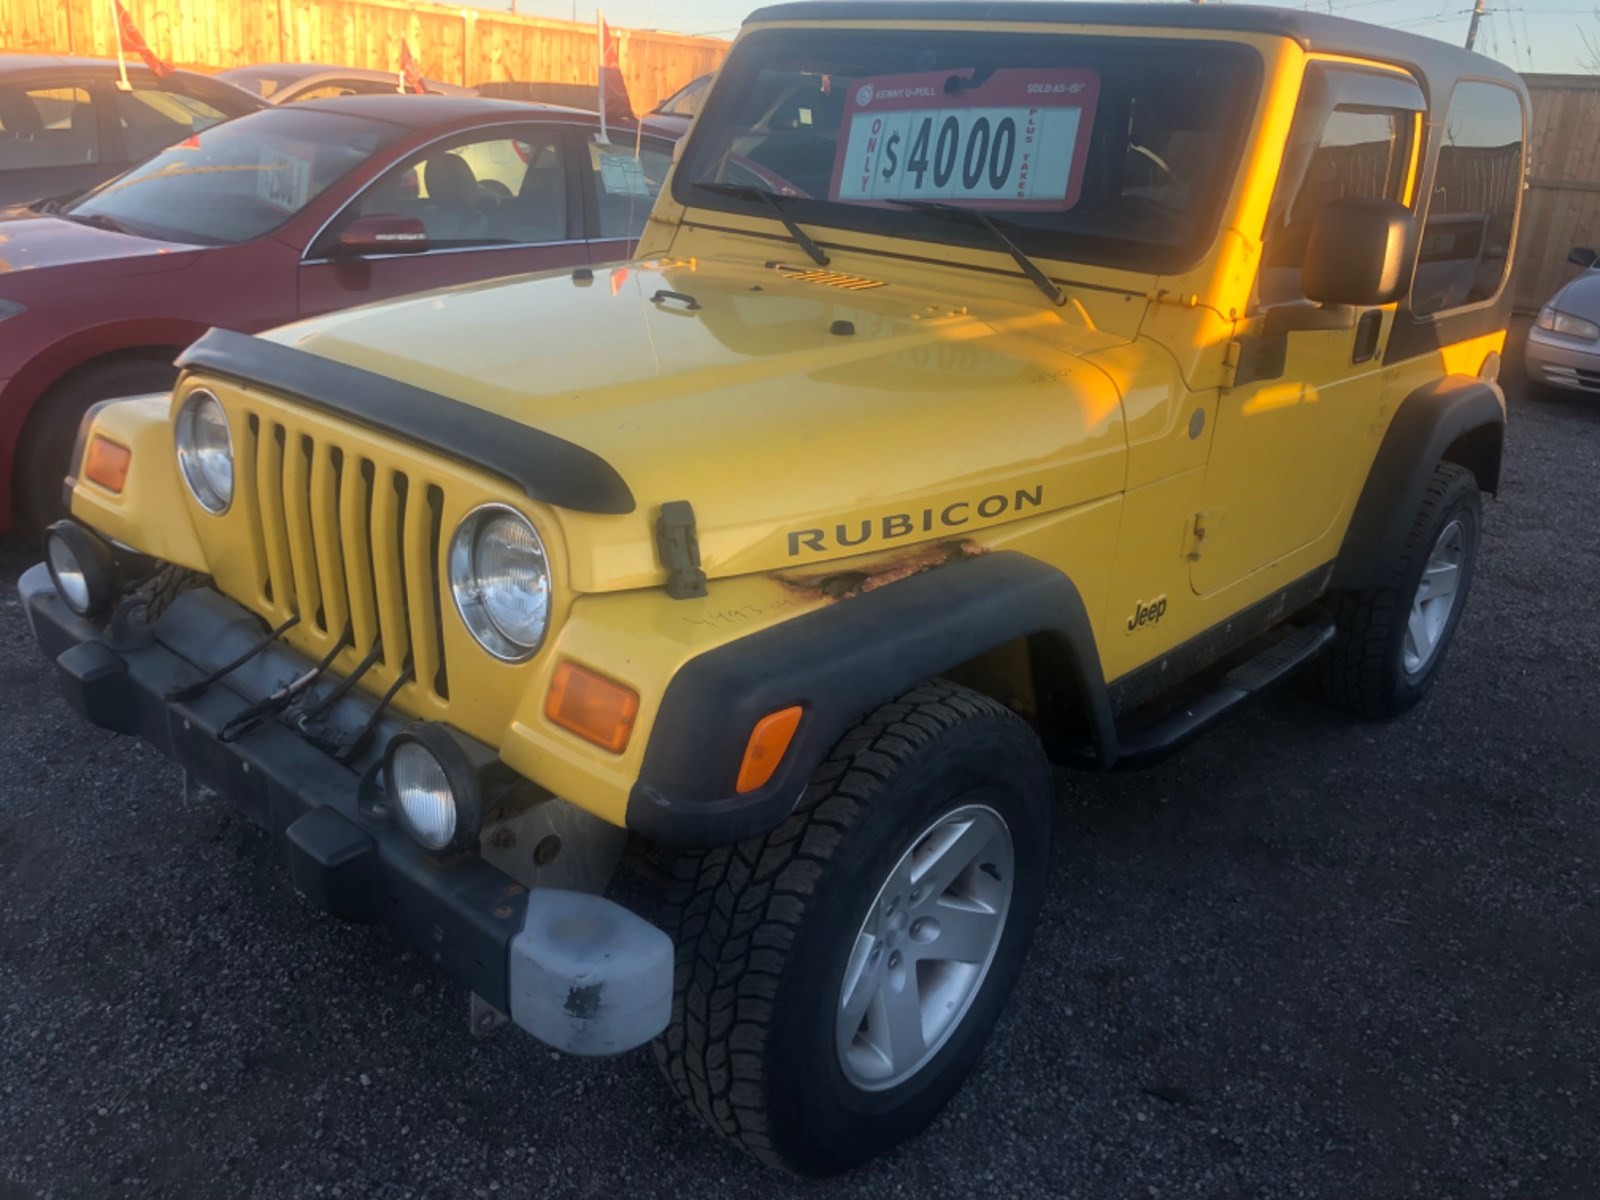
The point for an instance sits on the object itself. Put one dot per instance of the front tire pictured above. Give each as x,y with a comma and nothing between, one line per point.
1392,639
838,977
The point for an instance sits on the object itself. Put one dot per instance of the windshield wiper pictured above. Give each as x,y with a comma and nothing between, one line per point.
959,212
745,191
99,221
54,204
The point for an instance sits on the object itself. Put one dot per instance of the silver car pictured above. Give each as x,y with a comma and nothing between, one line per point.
1564,344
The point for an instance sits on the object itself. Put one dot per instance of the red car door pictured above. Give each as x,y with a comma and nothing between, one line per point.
495,201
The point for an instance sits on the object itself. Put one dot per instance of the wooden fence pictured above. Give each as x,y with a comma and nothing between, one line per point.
1562,206
456,45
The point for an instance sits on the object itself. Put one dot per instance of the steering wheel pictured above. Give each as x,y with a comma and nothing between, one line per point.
1174,222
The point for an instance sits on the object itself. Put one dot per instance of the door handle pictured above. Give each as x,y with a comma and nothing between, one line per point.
1368,330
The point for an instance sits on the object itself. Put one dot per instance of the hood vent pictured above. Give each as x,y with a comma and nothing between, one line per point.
835,279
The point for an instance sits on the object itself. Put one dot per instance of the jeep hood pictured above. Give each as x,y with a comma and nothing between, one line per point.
804,416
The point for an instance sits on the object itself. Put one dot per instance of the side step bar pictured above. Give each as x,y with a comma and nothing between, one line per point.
1281,658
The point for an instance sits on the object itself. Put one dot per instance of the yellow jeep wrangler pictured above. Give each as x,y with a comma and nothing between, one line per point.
997,385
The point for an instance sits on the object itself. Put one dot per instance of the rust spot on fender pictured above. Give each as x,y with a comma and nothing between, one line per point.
843,585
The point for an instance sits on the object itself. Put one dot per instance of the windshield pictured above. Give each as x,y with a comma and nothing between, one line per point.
239,180
1113,151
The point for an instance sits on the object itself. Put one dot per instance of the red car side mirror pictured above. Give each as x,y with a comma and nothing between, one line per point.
382,234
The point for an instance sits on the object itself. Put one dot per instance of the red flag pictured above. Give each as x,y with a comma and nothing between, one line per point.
410,73
613,90
131,40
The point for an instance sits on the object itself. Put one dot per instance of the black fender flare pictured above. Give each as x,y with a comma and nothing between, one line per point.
1427,424
839,663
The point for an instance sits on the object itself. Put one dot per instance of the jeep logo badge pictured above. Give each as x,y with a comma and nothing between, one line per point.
1147,614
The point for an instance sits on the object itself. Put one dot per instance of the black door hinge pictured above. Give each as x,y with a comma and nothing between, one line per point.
679,548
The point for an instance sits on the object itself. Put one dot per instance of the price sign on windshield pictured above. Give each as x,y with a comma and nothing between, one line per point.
1015,138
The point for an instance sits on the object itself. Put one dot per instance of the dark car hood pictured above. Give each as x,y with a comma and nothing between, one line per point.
31,241
1581,297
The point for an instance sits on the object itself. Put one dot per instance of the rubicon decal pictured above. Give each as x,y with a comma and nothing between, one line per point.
866,531
1147,614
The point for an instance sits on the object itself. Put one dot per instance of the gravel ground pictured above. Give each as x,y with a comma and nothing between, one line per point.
1308,957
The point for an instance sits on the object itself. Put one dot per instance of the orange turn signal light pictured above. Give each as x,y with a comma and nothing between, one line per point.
107,463
769,741
597,709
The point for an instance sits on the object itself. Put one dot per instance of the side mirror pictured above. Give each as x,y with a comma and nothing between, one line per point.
1582,256
382,233
1361,252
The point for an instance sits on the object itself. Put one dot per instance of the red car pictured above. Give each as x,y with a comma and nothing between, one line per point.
281,214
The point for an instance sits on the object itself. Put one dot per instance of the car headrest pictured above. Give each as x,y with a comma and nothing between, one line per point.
448,178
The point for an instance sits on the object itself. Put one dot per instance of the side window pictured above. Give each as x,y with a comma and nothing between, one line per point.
328,91
485,192
47,127
1472,212
346,87
1360,152
627,183
686,101
153,119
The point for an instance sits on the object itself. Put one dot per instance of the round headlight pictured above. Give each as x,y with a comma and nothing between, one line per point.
434,788
500,579
205,451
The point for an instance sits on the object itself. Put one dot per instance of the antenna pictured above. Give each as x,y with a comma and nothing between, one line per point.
1478,13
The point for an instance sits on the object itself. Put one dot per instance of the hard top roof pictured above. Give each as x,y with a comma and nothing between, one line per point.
1439,61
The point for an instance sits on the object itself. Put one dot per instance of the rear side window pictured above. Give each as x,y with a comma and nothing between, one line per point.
1472,211
46,127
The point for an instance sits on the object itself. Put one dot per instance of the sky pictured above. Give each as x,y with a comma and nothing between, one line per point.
1527,35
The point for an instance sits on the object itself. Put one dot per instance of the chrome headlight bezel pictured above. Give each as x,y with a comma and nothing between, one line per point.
476,609
208,494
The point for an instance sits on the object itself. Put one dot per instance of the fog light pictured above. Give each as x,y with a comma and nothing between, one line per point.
81,567
433,788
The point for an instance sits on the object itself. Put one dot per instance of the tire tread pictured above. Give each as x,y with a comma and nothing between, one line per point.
739,909
1355,672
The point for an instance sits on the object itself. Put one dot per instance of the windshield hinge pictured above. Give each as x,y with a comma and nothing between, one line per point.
1230,362
679,548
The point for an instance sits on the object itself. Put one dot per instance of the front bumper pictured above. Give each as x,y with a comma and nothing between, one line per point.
1558,361
576,970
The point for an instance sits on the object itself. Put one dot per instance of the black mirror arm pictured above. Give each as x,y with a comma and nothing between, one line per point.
1284,319
1265,355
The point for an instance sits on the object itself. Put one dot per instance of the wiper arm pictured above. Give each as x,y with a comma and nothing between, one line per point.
960,212
745,191
98,220
54,204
